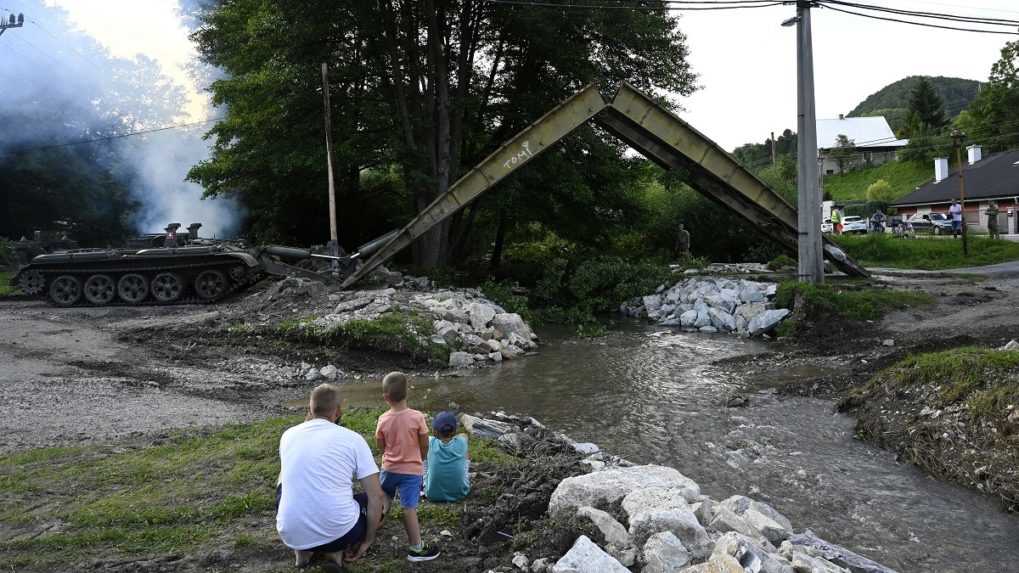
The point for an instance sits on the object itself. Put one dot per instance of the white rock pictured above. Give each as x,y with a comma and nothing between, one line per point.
688,318
1012,345
586,448
803,562
708,329
540,565
664,553
655,499
888,342
474,343
312,375
480,315
520,561
495,356
682,523
774,526
816,547
507,323
493,345
613,531
652,302
614,484
725,520
329,372
704,510
461,360
586,557
626,556
722,320
509,352
521,342
766,321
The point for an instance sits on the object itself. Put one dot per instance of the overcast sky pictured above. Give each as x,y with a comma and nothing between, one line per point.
745,59
747,62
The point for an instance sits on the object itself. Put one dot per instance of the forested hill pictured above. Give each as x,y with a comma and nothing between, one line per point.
892,101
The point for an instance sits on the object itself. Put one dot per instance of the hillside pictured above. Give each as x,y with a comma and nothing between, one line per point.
903,176
892,100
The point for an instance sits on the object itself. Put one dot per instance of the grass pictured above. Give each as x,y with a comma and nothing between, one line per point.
985,380
840,304
904,177
5,288
400,332
191,493
927,254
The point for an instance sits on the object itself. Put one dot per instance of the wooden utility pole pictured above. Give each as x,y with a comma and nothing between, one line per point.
773,148
333,240
957,137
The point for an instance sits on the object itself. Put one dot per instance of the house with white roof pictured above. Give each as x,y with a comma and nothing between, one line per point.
872,139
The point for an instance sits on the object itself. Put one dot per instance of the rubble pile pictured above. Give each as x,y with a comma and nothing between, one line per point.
476,330
653,519
712,305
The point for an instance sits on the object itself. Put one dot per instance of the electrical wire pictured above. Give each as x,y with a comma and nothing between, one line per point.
121,135
670,6
929,15
828,6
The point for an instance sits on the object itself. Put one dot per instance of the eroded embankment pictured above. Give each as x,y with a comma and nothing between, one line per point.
954,413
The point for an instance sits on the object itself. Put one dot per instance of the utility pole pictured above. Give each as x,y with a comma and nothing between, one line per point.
773,148
810,267
334,244
957,137
12,23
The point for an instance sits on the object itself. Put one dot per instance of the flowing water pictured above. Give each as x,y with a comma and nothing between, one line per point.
652,396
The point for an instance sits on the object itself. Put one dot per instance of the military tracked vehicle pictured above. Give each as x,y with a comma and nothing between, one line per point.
171,269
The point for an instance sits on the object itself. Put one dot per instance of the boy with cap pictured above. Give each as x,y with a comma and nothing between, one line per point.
448,461
402,435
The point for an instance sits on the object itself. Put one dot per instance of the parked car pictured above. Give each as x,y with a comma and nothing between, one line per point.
827,227
854,224
933,223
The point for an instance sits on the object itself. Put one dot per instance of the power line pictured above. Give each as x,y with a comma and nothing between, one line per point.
914,23
122,135
929,15
667,5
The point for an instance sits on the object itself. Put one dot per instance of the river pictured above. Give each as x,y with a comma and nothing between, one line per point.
651,396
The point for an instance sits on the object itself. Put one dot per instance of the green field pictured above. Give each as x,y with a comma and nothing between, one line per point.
902,176
927,253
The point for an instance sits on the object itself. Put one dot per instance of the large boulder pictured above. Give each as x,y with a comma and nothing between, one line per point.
664,553
655,498
722,320
688,318
804,562
682,523
766,321
763,518
612,531
609,486
724,520
586,557
461,360
508,323
750,555
817,547
480,315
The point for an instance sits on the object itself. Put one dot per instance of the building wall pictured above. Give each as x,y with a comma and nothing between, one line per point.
975,214
862,160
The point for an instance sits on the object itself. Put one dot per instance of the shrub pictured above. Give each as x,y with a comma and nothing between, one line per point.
881,191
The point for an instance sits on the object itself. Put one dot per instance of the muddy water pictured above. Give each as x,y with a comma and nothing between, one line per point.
651,396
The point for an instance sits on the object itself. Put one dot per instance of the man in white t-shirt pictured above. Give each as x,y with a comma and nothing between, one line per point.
956,212
317,510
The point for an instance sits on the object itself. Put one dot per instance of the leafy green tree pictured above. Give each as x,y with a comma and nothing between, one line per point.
926,107
993,119
428,87
881,191
843,152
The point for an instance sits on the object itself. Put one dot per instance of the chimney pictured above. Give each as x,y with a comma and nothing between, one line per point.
193,231
842,116
976,153
940,169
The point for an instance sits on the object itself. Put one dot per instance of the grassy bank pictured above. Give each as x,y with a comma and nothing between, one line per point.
206,500
830,309
904,178
927,254
5,288
954,413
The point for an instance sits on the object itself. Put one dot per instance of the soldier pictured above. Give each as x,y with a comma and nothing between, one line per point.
992,220
171,236
682,242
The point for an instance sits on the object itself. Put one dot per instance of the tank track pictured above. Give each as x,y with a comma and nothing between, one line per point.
251,277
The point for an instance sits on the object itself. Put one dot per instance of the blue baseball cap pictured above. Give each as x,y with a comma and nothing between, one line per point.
445,422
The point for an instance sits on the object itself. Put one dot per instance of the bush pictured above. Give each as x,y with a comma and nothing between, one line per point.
781,262
881,192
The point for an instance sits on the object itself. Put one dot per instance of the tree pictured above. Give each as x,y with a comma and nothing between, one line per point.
993,119
429,87
926,107
843,152
881,191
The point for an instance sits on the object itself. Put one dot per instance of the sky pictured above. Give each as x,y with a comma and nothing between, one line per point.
747,62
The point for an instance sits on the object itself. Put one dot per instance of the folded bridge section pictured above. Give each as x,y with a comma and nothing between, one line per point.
650,129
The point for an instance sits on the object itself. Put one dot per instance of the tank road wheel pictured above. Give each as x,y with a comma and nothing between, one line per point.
132,288
32,283
167,287
237,273
99,289
210,284
65,290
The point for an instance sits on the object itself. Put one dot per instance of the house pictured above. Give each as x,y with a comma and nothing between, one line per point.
872,139
991,179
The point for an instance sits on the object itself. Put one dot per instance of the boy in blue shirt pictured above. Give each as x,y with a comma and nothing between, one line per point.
448,461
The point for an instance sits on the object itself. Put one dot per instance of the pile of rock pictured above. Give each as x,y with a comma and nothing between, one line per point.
654,519
730,269
712,305
477,330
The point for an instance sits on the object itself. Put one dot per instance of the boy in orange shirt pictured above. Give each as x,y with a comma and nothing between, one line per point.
402,435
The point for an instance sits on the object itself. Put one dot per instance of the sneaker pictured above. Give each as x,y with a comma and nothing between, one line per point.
425,554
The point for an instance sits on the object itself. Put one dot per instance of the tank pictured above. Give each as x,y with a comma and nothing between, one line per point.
189,270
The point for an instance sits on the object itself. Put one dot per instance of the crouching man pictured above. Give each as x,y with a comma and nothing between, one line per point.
318,511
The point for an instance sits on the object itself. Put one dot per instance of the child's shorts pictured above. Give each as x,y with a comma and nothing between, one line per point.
409,486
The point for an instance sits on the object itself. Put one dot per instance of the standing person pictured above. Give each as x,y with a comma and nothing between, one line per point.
402,435
836,221
992,220
317,511
682,242
956,211
448,461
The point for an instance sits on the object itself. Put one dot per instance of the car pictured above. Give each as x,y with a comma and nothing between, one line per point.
941,222
854,224
827,227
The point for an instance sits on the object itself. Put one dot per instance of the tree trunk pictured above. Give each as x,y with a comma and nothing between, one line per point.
434,241
500,239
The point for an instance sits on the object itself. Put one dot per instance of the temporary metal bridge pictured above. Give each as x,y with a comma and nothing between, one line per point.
650,129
